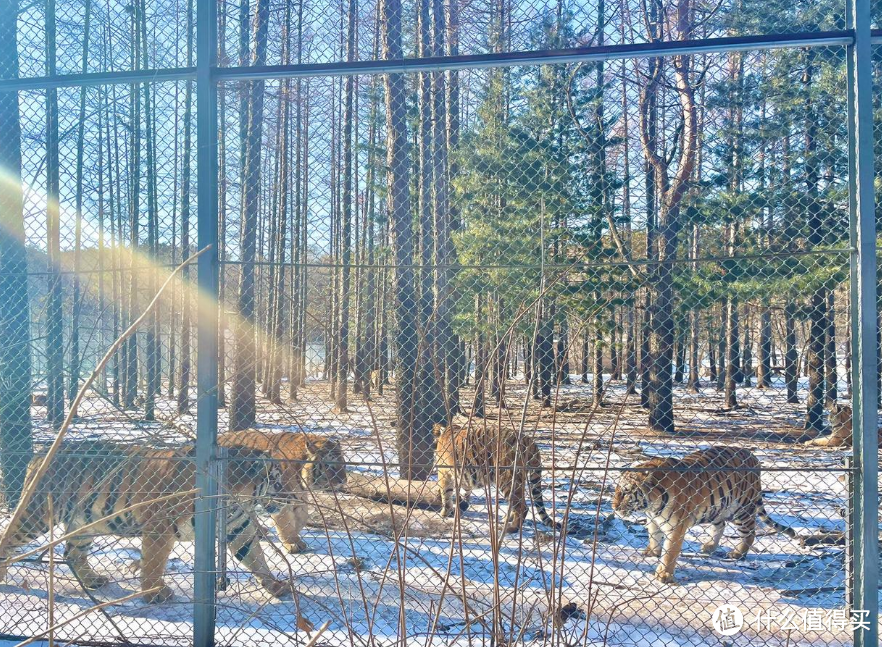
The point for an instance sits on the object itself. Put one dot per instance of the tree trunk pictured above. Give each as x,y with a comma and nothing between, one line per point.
243,411
130,347
713,374
102,243
818,307
586,357
366,360
414,432
694,382
747,353
615,348
731,352
277,298
448,257
830,368
764,363
680,356
660,401
544,357
185,366
77,297
630,351
151,335
562,372
480,361
791,358
54,314
116,236
340,401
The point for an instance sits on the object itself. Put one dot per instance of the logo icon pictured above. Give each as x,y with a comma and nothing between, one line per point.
727,620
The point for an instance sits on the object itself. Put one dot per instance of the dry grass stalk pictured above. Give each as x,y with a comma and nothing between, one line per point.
52,628
318,633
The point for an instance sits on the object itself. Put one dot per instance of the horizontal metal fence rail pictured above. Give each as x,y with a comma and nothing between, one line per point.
444,63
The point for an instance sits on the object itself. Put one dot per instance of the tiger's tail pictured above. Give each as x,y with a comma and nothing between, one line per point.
766,519
538,501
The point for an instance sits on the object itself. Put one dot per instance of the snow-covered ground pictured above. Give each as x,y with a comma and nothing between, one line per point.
388,575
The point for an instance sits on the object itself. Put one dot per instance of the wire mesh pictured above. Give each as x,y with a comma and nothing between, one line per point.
535,354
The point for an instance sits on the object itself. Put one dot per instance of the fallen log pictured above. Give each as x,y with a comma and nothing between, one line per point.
422,495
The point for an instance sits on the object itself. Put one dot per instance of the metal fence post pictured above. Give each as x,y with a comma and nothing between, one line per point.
220,474
207,325
865,500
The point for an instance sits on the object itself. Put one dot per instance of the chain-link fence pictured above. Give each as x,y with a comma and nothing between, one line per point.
513,322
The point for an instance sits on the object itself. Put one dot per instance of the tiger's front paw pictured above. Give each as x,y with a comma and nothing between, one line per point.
736,555
94,580
708,548
664,576
298,546
652,551
277,588
513,524
163,593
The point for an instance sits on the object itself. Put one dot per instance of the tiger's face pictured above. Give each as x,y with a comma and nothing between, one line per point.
325,468
631,494
840,416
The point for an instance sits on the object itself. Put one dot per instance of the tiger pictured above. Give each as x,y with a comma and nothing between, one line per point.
89,480
467,456
841,436
307,461
711,486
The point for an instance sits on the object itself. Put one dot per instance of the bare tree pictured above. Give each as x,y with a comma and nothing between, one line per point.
414,431
75,359
671,193
243,405
183,395
340,401
54,316
818,306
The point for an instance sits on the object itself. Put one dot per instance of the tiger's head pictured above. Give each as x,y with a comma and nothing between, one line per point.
840,416
325,467
634,493
253,476
444,433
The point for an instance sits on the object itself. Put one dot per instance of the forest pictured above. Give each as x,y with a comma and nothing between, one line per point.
619,255
662,221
